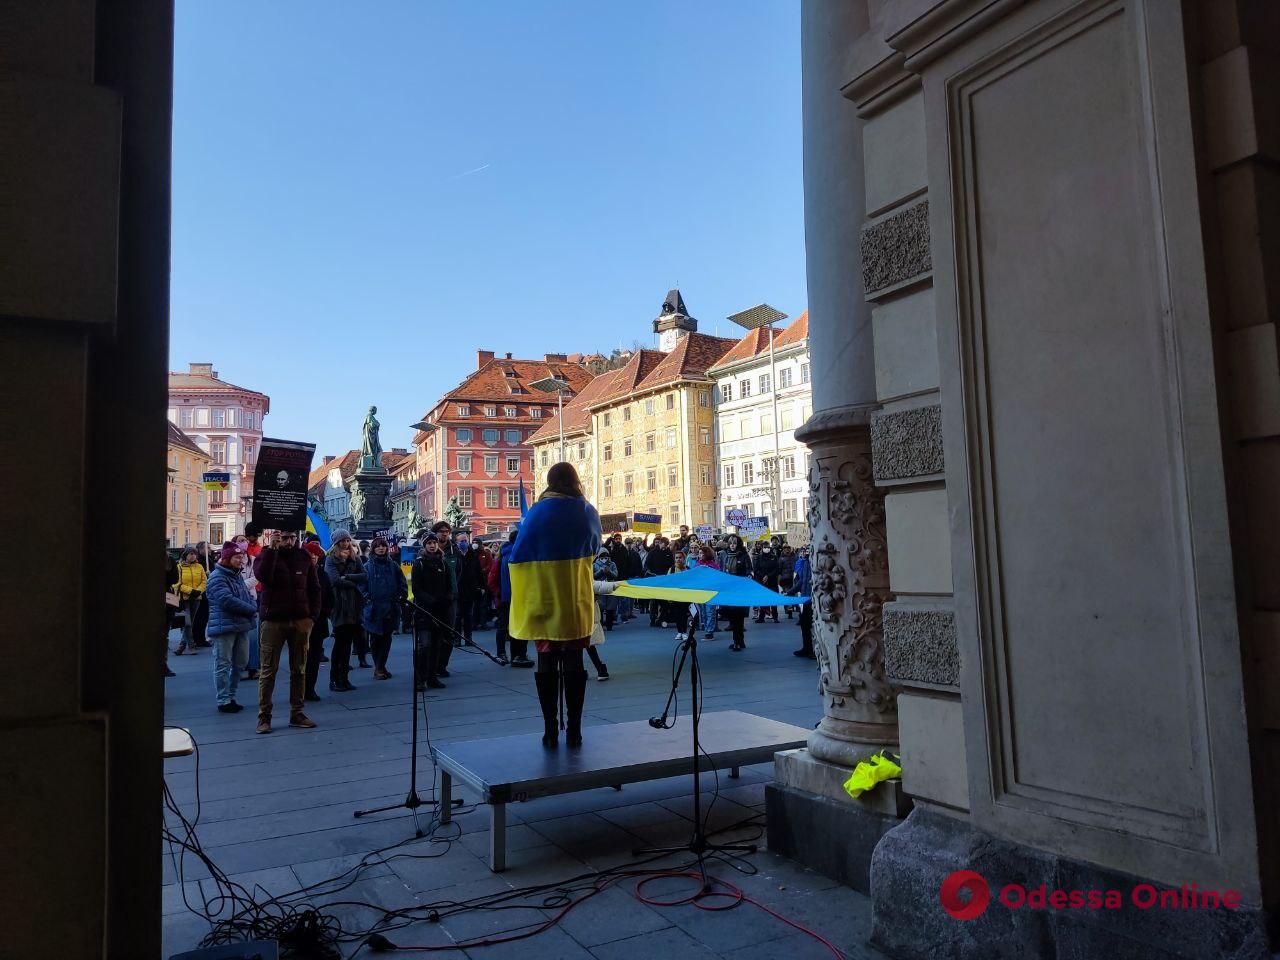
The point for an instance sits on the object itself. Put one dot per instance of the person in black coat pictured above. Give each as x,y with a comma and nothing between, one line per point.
658,563
319,629
470,583
433,592
765,570
736,561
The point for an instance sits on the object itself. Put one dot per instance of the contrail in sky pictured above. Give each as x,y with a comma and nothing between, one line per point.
467,173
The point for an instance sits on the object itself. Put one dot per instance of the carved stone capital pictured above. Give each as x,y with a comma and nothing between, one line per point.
850,566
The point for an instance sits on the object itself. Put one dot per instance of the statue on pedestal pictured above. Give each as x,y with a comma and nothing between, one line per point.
357,503
371,447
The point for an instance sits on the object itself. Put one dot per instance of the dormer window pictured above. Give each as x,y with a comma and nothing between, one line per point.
464,409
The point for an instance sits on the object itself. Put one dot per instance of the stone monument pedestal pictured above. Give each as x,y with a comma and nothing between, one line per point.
375,489
812,820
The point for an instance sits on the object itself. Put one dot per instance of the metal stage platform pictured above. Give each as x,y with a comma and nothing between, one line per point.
514,769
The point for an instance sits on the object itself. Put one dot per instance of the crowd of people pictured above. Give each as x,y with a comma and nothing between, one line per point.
255,604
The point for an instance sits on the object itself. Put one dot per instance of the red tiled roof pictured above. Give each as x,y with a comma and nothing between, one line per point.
629,376
196,382
756,342
577,413
347,463
693,356
391,459
179,439
491,382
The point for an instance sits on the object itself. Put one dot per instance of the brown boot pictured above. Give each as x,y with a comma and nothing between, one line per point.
264,724
301,720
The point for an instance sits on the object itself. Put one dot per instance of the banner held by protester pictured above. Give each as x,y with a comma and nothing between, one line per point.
280,484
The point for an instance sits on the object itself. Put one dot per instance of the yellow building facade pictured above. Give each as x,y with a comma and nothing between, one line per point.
186,504
642,437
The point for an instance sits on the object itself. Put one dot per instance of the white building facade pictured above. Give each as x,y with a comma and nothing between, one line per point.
746,390
226,422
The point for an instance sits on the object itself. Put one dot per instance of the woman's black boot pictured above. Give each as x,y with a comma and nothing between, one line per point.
548,700
575,694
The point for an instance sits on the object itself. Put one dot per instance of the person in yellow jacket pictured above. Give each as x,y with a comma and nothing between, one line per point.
190,587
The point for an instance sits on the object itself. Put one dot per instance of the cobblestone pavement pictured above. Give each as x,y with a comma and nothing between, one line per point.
276,811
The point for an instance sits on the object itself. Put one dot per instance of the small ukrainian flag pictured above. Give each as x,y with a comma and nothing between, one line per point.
550,568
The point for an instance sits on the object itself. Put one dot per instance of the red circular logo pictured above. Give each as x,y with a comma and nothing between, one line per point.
958,883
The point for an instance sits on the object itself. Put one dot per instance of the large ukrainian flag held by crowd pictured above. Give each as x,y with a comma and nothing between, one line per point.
550,567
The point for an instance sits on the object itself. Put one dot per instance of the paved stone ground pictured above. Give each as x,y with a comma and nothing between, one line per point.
277,810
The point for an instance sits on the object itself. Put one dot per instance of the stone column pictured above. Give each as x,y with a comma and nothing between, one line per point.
846,511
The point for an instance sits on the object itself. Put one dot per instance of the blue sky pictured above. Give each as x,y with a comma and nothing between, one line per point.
366,194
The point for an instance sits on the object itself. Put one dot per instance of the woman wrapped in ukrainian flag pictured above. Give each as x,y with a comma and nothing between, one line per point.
552,599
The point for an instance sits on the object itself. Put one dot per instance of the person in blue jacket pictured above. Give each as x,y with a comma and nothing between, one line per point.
384,591
802,586
233,611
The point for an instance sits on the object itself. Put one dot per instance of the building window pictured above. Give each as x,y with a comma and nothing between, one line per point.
649,443
671,401
248,453
648,407
726,392
626,414
608,486
749,509
202,416
509,412
490,463
626,447
513,436
490,411
463,435
542,457
768,469
675,514
804,373
535,413
219,417
251,420
606,418
651,480
704,436
464,409
491,497
671,476
766,382
582,451
788,420
706,475
788,468
671,437
187,417
704,398
628,484
173,500
218,450
513,464
804,505
490,436
744,388
766,425
748,472
608,452
784,378
464,498
729,471
789,510
513,498
464,463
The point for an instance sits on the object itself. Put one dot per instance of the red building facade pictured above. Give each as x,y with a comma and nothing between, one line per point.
476,445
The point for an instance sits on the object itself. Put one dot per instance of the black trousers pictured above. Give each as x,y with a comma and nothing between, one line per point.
344,638
432,652
465,617
737,617
380,644
315,650
806,626
360,643
680,613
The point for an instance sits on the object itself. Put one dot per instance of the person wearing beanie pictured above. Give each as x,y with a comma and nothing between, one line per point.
190,587
319,629
347,578
385,590
232,614
433,596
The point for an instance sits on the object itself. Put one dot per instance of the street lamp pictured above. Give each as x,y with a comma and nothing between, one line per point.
559,388
765,316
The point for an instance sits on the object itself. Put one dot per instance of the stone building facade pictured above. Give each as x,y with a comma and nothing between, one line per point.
745,394
226,421
1041,250
476,447
404,493
186,511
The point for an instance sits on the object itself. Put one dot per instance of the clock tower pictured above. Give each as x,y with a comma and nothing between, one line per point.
673,322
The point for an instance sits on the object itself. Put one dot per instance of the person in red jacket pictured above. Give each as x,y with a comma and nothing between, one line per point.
289,605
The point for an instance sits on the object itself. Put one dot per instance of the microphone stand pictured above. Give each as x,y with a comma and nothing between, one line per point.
698,844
